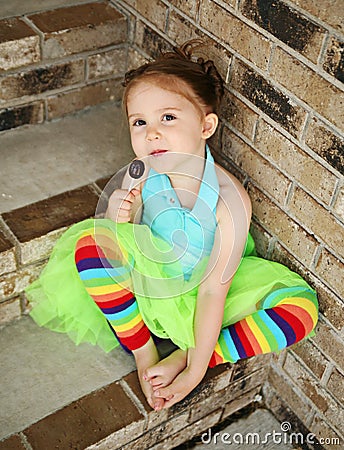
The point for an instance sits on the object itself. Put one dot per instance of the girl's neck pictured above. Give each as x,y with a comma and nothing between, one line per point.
189,176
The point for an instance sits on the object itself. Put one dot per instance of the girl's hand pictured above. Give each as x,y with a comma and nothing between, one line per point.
121,204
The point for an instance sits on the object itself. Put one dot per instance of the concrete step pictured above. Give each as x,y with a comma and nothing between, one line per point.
42,371
40,161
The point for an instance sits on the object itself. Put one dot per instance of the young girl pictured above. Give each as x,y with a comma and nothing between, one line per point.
173,257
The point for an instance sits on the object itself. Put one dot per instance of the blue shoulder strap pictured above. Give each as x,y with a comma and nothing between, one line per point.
208,192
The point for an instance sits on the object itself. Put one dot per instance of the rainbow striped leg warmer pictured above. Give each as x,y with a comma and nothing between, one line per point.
106,280
287,315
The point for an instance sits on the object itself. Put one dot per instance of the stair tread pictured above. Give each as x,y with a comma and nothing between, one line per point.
48,372
44,160
18,7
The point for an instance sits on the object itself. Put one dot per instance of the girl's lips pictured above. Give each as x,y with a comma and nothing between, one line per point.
157,152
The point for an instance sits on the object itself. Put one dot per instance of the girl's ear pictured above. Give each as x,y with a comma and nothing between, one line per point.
210,123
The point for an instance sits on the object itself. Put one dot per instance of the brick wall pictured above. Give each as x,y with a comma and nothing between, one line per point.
56,62
281,133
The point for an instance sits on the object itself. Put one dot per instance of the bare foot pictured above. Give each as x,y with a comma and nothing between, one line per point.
146,357
165,371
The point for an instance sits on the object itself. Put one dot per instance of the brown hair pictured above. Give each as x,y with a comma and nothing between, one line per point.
173,70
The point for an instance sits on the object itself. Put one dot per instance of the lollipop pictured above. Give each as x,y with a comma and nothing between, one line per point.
136,170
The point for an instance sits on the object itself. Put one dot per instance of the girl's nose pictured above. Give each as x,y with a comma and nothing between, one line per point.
152,133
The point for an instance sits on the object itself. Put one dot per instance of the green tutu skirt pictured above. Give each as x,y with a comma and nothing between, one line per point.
166,300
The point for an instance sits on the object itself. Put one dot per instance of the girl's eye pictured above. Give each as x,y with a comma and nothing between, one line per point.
168,117
139,123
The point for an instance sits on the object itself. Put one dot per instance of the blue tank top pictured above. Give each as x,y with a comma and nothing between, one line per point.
190,232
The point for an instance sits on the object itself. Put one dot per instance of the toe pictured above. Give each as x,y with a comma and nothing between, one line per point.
158,404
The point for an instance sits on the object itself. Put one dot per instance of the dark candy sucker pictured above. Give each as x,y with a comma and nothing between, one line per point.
136,169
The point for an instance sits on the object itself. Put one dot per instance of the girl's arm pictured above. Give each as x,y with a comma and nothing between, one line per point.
234,216
229,244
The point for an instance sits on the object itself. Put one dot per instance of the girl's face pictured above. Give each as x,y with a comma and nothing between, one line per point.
161,121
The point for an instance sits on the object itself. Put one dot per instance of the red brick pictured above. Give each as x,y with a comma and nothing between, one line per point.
311,356
62,210
235,33
42,79
19,44
316,218
17,116
256,167
321,95
86,421
190,8
299,165
78,99
326,10
325,433
80,28
268,98
286,24
330,343
336,385
326,144
12,443
334,60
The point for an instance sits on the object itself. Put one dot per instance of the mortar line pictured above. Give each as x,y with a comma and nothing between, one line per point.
304,227
24,441
38,31
134,398
316,256
144,20
285,133
305,127
167,20
313,18
335,194
326,375
322,53
246,140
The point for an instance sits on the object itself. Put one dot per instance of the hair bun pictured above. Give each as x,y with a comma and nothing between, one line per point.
188,51
186,63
